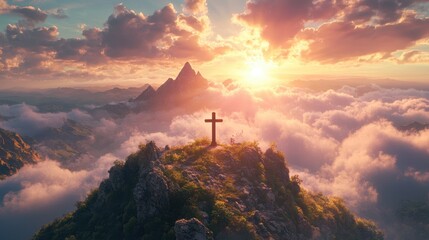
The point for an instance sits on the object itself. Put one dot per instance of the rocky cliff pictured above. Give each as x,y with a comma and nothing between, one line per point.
196,192
14,153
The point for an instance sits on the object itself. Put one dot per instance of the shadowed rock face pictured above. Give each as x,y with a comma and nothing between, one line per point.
191,229
14,153
196,192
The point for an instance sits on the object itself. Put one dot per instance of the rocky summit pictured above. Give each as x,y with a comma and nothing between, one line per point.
195,192
14,153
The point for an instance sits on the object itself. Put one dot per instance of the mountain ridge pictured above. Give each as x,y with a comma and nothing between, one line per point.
187,84
65,143
14,153
196,192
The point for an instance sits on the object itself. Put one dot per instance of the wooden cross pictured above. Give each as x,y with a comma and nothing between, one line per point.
214,121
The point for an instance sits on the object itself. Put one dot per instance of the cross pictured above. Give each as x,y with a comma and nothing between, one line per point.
214,121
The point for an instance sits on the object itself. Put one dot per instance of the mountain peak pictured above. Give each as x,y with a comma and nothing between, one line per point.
146,95
187,65
187,72
194,192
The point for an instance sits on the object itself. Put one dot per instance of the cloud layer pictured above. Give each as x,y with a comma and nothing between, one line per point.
40,193
345,143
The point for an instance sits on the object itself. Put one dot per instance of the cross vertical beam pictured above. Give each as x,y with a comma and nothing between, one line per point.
213,120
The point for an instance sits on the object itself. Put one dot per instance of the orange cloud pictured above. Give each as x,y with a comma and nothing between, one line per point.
342,30
339,41
195,6
127,36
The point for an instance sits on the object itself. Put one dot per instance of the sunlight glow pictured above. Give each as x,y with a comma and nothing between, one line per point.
258,72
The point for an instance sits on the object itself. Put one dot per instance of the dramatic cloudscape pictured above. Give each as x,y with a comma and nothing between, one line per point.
58,43
339,86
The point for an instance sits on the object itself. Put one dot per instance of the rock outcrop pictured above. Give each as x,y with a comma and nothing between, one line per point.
195,192
151,195
191,229
14,153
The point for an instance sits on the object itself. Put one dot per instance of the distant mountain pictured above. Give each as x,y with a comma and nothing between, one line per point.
120,94
194,192
185,90
65,143
14,153
146,95
186,86
65,99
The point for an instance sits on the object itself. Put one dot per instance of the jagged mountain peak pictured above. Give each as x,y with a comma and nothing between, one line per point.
187,73
229,192
187,84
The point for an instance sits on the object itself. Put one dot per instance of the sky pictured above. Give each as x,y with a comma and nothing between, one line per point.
45,43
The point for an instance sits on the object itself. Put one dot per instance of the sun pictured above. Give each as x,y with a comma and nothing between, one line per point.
257,72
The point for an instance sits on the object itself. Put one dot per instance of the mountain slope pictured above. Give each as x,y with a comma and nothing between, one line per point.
65,143
196,192
14,153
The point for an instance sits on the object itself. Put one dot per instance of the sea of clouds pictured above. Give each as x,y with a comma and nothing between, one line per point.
340,142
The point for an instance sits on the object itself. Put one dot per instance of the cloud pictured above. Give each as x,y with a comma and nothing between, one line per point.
31,14
27,120
349,43
58,13
380,11
131,34
375,171
335,31
279,20
127,37
36,39
3,5
195,6
193,22
414,57
39,193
